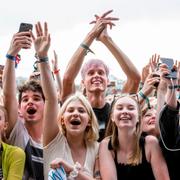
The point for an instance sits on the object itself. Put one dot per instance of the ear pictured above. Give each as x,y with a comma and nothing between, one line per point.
62,120
111,118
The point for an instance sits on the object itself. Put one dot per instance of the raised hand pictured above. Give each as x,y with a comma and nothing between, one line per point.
20,40
101,23
107,19
42,40
154,60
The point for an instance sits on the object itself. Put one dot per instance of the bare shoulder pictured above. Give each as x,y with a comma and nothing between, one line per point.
151,140
104,142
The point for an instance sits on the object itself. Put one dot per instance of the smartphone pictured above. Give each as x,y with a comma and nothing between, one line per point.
25,27
156,75
170,63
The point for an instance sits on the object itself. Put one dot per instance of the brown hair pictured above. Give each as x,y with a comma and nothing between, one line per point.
112,131
32,85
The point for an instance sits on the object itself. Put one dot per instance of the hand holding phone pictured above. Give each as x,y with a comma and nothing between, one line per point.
25,27
170,63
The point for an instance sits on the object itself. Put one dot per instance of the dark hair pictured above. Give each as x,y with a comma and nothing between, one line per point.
32,85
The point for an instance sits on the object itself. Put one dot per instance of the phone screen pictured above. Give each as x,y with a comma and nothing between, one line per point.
170,63
25,27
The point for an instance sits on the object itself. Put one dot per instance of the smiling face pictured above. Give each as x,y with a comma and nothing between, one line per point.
31,106
75,118
149,121
95,78
125,113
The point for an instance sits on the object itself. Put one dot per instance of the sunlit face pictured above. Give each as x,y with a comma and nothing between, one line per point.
31,107
125,113
75,118
95,79
149,121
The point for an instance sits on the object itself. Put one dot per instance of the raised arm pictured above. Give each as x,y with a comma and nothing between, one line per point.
42,44
19,41
56,72
76,61
133,76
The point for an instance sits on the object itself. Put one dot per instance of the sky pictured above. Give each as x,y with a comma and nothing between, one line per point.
144,28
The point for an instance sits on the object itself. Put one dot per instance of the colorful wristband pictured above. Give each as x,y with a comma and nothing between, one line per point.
10,57
145,98
56,71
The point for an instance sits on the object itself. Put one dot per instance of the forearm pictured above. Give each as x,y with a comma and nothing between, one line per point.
50,127
74,67
58,81
171,99
9,94
127,66
9,81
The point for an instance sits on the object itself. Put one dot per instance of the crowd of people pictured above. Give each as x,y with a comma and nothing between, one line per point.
52,131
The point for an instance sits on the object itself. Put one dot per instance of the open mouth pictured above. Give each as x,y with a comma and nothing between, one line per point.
31,111
76,122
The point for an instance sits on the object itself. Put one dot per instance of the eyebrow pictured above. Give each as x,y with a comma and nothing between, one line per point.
35,95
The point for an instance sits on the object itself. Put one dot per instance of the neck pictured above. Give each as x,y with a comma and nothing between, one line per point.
127,140
35,131
75,142
97,100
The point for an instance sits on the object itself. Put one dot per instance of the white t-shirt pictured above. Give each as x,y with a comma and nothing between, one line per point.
34,153
59,148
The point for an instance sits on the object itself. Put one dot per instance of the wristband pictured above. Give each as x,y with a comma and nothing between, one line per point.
10,57
86,48
43,59
74,173
56,71
145,98
174,87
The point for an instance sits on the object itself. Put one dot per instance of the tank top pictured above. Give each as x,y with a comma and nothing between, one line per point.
142,171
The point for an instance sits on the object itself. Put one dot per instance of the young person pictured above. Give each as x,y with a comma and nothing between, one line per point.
27,134
75,138
95,72
168,106
12,158
125,154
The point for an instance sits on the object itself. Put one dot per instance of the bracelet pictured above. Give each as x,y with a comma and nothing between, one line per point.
43,59
10,57
56,71
74,173
174,87
146,98
86,48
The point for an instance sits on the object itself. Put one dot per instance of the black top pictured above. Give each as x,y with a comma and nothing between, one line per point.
170,140
142,171
103,117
